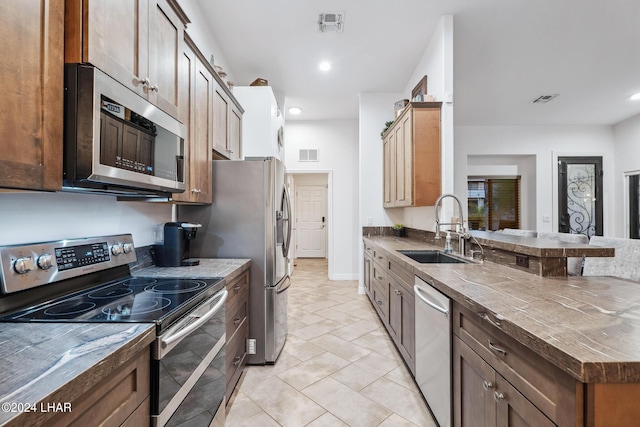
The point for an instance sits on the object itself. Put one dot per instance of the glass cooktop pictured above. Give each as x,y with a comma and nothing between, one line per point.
139,299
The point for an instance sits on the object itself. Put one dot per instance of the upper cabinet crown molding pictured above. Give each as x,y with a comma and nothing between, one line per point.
412,157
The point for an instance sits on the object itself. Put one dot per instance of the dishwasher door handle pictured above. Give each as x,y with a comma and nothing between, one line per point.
420,294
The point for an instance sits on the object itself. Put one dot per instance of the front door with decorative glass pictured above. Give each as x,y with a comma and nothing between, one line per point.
580,193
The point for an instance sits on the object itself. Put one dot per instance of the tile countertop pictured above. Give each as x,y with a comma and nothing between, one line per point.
52,363
209,267
587,326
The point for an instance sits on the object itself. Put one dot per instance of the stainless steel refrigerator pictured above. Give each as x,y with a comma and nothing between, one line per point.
250,218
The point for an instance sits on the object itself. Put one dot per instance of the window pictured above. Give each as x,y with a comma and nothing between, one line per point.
634,206
493,203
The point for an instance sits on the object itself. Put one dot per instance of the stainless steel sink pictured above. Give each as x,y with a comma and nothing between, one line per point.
432,257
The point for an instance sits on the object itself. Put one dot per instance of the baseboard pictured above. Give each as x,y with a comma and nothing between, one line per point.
344,276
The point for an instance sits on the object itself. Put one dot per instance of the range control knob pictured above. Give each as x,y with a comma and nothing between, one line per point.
116,249
24,265
127,248
45,261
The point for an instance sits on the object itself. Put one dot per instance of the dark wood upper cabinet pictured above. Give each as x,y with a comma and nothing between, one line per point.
31,63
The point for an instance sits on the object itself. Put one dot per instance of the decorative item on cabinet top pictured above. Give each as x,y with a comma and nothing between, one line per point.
420,91
260,82
399,230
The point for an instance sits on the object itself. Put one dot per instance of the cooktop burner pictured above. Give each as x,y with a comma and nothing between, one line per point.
133,299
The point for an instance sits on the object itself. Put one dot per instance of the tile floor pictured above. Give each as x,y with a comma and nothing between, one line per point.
338,366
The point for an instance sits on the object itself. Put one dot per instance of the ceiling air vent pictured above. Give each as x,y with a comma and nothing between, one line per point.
330,22
543,99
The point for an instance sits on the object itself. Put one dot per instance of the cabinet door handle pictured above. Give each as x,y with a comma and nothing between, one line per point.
379,277
498,396
236,321
397,292
486,385
237,360
379,302
497,349
144,82
154,88
379,257
237,288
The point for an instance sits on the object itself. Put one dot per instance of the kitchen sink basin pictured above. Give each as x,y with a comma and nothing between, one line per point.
432,257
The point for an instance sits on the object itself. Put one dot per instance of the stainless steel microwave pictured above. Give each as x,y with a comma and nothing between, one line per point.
115,141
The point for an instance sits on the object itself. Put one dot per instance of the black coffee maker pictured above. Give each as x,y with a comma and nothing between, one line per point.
172,246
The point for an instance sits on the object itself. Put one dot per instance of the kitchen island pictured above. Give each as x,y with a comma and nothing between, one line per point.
584,331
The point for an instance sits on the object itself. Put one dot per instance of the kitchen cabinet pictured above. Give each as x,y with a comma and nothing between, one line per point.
237,325
121,399
498,380
227,124
368,261
484,397
196,113
412,157
393,298
32,85
137,43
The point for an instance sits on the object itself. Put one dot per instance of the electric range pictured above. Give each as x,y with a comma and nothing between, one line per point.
89,280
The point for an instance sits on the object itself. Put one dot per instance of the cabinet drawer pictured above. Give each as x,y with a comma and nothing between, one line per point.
545,385
380,299
237,304
368,249
378,274
236,356
405,276
379,258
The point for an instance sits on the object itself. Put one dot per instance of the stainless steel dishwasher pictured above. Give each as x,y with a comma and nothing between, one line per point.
433,349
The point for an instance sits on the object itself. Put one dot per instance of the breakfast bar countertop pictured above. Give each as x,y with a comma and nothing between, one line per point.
587,326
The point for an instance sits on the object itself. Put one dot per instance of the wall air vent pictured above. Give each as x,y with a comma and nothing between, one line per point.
543,99
328,22
308,155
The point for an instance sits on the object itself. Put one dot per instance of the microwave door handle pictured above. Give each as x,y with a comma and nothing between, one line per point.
164,342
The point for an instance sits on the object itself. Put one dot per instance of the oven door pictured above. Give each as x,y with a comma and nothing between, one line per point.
188,368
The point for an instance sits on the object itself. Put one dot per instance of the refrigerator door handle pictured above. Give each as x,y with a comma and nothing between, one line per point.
284,285
286,205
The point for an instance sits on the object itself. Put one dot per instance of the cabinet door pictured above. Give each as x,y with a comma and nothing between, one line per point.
389,171
32,91
514,410
400,165
235,134
220,122
166,33
367,275
195,112
407,147
401,320
113,36
474,382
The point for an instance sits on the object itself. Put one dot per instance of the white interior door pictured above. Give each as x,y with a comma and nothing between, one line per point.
311,221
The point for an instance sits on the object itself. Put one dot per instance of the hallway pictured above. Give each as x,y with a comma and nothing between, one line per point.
338,367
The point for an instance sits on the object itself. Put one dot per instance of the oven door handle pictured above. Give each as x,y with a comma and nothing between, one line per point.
164,342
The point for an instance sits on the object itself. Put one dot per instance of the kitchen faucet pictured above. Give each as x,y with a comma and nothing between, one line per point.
462,233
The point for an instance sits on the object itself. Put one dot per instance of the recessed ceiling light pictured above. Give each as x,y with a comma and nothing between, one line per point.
325,66
295,110
635,96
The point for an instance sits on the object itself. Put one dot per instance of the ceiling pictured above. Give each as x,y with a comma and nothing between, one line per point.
506,53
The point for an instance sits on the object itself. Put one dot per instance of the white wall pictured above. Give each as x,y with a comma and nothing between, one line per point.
38,217
437,64
337,144
546,143
627,159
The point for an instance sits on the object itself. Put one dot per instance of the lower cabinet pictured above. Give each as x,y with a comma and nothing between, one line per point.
121,399
484,397
402,320
392,297
498,380
237,330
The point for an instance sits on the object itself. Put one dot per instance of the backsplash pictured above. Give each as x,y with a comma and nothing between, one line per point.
40,217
